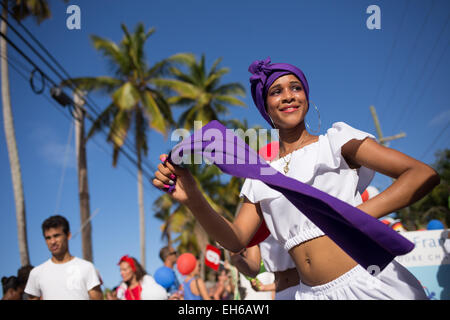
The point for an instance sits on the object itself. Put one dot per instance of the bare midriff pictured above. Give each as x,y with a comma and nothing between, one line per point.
320,261
286,279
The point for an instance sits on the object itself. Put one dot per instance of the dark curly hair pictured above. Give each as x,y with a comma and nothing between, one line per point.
9,283
55,222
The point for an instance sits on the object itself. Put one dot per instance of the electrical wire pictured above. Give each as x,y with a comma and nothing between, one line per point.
45,76
144,162
389,58
420,79
435,140
68,116
407,64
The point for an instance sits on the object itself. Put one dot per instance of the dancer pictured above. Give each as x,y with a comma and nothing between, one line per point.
137,284
341,163
63,276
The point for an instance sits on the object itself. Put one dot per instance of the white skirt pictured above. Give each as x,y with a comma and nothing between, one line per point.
395,282
286,294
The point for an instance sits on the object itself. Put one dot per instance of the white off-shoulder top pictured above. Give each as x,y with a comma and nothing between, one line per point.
321,165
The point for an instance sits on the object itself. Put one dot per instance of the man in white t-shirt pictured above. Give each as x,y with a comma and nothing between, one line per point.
63,276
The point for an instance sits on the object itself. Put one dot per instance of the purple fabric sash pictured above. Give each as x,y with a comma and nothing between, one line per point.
367,240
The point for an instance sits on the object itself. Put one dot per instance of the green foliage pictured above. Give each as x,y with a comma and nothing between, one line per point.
221,191
199,90
134,100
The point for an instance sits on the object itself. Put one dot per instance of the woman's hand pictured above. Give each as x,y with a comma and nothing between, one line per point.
173,175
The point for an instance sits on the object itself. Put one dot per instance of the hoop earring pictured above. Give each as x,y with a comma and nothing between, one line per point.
318,114
273,124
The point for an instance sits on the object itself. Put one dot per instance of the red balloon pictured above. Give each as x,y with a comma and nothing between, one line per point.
365,196
186,263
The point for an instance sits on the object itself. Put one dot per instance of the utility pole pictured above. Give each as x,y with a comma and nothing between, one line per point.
383,140
83,190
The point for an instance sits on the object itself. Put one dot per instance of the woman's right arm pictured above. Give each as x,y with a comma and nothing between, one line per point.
233,236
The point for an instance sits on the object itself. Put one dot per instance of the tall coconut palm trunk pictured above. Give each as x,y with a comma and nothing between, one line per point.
12,148
83,186
141,212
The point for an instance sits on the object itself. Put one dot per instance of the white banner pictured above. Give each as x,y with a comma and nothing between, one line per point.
429,249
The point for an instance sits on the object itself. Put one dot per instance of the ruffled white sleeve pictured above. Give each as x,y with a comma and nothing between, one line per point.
256,190
247,190
339,134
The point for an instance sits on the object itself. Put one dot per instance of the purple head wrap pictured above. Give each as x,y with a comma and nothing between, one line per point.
264,74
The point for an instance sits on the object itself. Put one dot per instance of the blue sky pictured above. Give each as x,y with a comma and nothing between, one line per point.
402,69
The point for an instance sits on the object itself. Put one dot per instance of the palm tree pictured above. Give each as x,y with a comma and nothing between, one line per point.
201,91
135,104
178,219
221,193
205,99
20,9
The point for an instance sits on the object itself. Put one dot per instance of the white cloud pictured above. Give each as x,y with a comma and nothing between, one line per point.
55,148
441,118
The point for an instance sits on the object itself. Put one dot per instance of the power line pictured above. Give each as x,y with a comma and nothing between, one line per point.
391,51
100,146
149,176
45,76
72,85
435,140
412,51
419,79
69,117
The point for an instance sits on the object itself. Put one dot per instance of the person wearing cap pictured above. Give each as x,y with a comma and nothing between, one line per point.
340,163
137,284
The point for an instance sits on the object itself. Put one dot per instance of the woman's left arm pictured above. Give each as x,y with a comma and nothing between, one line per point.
414,179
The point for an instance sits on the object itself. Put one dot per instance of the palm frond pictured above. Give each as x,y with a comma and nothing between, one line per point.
214,67
113,53
39,10
101,84
230,100
156,119
233,88
126,97
103,120
182,88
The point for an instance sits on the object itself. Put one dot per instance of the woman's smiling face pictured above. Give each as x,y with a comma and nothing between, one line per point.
286,102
